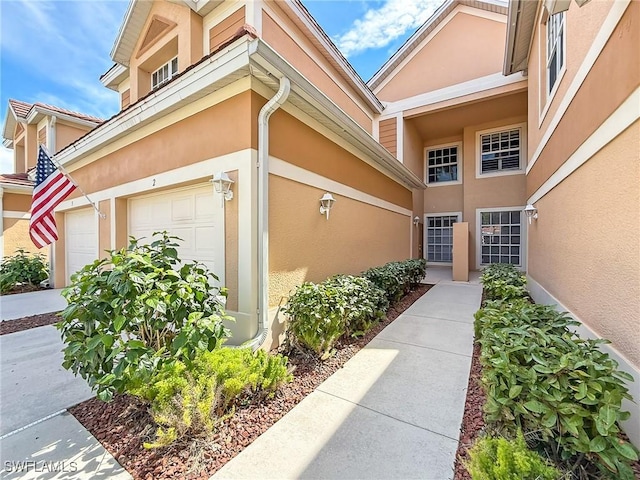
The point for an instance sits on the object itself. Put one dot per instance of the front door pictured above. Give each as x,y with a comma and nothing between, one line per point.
439,241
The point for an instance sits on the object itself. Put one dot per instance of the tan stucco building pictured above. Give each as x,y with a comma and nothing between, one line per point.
488,108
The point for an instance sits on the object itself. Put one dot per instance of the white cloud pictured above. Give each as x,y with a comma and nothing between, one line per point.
379,27
67,45
6,160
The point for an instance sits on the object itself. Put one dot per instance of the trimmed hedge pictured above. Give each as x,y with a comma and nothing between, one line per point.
540,377
397,278
503,281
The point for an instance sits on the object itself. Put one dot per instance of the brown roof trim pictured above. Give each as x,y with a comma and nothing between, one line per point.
16,179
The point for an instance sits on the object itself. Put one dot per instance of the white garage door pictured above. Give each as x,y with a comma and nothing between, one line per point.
193,214
81,239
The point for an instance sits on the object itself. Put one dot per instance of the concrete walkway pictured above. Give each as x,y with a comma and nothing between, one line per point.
33,303
393,412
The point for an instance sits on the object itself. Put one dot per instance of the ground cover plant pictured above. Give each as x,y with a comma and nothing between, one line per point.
22,272
543,379
397,278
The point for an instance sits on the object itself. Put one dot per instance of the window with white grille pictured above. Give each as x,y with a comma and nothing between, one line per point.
555,49
500,151
443,164
164,73
440,237
501,237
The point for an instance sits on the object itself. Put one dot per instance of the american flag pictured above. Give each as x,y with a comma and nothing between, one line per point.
52,187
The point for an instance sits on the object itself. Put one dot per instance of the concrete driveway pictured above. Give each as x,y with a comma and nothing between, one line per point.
33,303
34,384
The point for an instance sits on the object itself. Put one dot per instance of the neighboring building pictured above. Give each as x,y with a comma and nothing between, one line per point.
26,127
583,169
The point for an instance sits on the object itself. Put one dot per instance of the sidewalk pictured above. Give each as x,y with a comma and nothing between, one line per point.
393,412
32,303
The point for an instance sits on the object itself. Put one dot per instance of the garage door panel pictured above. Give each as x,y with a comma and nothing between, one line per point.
81,240
192,215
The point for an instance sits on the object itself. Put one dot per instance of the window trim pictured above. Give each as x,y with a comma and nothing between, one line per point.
524,235
425,236
169,70
546,96
425,162
523,151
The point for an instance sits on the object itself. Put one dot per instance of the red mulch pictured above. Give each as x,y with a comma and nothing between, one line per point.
124,424
25,323
473,420
26,288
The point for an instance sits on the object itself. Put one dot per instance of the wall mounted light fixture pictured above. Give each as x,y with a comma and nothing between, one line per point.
326,204
222,184
416,221
531,212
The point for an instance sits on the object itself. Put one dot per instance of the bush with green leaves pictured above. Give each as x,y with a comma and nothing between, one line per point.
22,268
319,314
136,310
397,278
503,281
189,398
541,377
501,459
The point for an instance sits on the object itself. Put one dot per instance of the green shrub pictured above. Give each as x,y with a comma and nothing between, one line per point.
136,310
540,377
503,281
189,398
502,459
319,314
22,268
397,278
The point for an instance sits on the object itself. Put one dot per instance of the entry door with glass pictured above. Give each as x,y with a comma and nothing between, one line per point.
439,237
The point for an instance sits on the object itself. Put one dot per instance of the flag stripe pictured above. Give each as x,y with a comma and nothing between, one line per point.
52,187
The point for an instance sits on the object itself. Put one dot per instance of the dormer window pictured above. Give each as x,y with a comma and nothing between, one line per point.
164,73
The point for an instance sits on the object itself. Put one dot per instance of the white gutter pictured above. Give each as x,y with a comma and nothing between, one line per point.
263,209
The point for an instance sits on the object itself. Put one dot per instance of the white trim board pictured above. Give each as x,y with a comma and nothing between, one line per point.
287,170
469,87
615,14
15,214
619,121
631,426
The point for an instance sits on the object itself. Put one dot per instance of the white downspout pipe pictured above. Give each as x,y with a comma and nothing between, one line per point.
263,209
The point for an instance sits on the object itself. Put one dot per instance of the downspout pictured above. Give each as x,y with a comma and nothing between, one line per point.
263,210
51,146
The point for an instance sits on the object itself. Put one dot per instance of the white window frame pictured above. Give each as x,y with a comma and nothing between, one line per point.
460,164
425,238
547,95
523,235
170,72
523,151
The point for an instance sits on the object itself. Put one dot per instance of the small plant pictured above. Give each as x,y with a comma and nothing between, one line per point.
540,377
503,281
136,310
319,314
502,459
22,269
189,398
397,278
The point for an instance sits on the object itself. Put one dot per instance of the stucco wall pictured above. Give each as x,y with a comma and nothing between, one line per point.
590,107
451,57
16,235
67,134
585,246
305,246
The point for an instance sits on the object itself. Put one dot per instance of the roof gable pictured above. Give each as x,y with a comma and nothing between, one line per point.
428,28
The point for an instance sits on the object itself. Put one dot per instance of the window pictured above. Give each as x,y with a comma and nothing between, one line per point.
500,151
555,49
501,237
442,164
440,237
164,73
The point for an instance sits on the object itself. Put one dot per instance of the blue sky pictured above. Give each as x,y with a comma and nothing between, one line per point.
55,51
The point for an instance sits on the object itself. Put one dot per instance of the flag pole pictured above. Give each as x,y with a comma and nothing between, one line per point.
66,174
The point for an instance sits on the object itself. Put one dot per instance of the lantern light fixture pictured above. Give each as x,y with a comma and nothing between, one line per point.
222,183
326,204
531,212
